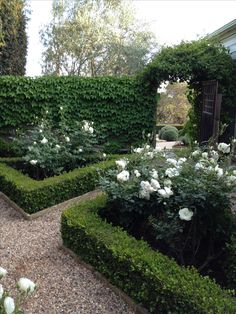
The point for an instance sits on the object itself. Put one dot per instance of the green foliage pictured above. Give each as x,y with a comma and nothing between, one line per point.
168,128
195,62
121,108
150,278
8,148
170,135
32,195
117,44
230,263
13,50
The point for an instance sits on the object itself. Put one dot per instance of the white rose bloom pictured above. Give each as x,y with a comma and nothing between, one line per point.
121,163
104,155
1,291
40,131
123,176
185,214
44,141
3,272
171,172
231,179
138,150
145,185
150,154
90,130
137,173
171,161
155,184
167,183
205,155
80,150
166,192
196,153
9,305
181,161
199,166
61,108
58,146
147,146
33,162
234,172
219,171
67,139
154,174
234,140
214,155
26,285
35,143
224,148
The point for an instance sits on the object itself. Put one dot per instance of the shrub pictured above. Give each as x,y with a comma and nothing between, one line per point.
181,205
170,135
168,128
33,196
229,264
8,149
150,278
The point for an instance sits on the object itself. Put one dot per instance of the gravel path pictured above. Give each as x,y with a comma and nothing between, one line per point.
32,249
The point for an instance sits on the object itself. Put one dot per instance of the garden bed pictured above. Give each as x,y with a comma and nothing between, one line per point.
150,278
33,196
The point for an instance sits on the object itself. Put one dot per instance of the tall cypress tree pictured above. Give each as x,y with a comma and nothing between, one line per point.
13,51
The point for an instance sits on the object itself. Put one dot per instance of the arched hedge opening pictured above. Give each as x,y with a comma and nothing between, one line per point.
194,62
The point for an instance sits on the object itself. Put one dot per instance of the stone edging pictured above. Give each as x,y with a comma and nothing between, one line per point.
135,307
63,205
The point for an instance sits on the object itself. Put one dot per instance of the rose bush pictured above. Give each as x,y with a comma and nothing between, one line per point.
7,304
50,149
181,205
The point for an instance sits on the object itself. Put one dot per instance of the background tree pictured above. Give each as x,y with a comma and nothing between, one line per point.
173,105
13,38
95,38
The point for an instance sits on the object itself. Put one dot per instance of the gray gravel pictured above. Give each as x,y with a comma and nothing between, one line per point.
32,249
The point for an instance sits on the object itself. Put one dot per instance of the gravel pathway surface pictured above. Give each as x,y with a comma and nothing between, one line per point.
32,249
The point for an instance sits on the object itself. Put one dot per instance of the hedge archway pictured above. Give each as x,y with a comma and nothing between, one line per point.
194,62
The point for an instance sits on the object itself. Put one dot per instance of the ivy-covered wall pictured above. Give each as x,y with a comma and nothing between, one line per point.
121,108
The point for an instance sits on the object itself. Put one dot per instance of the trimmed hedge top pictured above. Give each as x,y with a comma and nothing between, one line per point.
121,108
150,278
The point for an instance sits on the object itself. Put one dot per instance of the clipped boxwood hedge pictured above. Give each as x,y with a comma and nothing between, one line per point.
32,195
150,278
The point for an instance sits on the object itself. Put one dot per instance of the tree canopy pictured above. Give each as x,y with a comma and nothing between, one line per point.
95,38
13,38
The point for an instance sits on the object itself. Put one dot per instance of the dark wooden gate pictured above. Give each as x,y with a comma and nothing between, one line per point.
210,117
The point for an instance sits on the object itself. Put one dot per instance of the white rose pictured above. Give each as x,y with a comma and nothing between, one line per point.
182,160
40,131
205,155
26,285
61,108
166,192
199,166
44,141
147,146
219,171
196,153
185,214
121,163
80,150
90,130
35,143
9,305
155,184
3,272
137,173
67,139
154,174
224,148
171,172
171,161
1,291
123,176
138,150
58,146
33,162
214,155
144,194
104,155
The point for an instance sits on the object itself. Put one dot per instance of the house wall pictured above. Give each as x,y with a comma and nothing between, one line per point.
230,42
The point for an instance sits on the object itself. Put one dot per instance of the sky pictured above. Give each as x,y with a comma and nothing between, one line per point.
170,20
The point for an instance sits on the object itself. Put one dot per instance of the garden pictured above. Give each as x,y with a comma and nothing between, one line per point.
161,225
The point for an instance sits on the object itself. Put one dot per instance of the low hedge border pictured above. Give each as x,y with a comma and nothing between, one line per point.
150,278
33,196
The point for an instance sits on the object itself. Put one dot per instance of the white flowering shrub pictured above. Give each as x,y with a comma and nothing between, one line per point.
7,304
181,205
50,150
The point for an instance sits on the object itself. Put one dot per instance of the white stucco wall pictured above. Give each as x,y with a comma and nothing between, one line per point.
230,43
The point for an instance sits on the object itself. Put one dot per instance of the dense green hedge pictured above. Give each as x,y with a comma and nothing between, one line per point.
149,277
121,108
32,195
